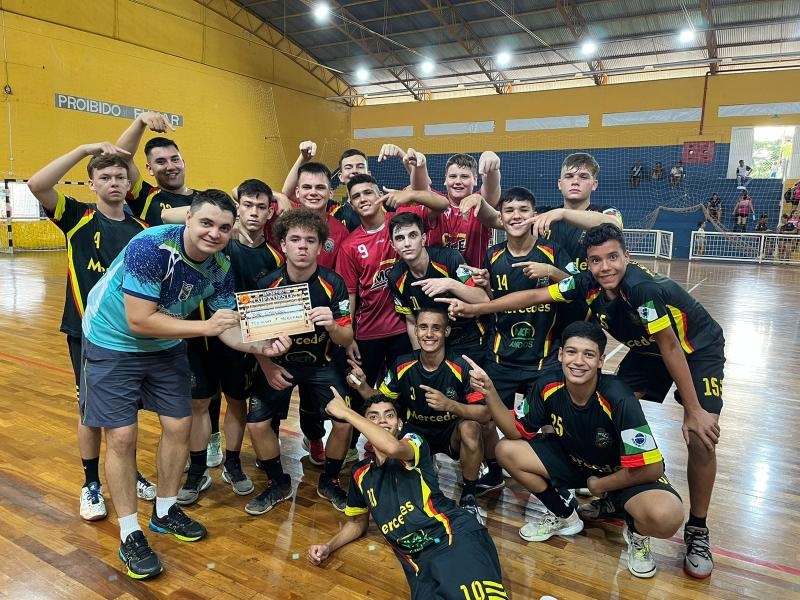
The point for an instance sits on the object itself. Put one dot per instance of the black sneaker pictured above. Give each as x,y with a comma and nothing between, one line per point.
331,489
139,558
275,493
176,523
489,482
469,504
599,510
195,483
232,473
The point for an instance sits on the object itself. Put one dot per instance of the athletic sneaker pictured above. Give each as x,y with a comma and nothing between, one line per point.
698,562
176,523
599,509
351,456
332,490
487,483
214,450
640,555
583,493
316,451
144,489
539,531
139,558
232,473
469,504
93,505
190,492
276,492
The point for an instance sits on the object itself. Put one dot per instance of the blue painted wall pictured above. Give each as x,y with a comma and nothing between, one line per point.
539,170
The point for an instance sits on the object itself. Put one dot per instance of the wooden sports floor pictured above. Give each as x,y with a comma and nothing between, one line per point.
47,551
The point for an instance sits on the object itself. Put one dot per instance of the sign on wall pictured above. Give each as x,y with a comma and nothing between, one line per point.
111,109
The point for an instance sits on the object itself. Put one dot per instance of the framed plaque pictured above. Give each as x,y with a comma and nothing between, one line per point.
266,314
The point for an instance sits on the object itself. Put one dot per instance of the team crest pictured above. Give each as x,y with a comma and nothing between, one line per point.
451,394
328,247
602,438
186,291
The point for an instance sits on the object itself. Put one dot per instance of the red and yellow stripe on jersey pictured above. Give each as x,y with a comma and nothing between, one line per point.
604,404
682,328
551,388
74,284
440,268
640,460
548,252
358,477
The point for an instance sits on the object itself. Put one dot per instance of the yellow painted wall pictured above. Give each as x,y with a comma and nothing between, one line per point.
245,106
724,89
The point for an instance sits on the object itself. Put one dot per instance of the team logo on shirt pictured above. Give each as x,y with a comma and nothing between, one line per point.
344,307
329,244
648,312
602,438
451,394
186,291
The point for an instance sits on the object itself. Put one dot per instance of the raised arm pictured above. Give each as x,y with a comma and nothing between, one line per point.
42,183
489,168
416,161
132,136
308,150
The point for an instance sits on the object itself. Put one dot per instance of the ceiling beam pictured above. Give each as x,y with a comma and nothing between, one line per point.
460,30
388,58
260,29
710,33
574,21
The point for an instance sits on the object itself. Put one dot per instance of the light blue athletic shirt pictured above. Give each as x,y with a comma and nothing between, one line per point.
154,266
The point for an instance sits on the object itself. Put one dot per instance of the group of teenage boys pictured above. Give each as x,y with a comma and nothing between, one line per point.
419,325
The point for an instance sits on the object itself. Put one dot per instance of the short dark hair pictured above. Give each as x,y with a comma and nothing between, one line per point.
438,310
304,219
588,330
465,161
214,197
378,399
253,188
404,219
516,193
352,152
601,234
315,168
104,161
584,160
159,142
359,179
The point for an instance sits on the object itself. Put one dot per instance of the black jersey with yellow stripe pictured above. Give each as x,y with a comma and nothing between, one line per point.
609,432
410,299
250,263
451,378
527,337
147,201
326,288
93,242
647,303
405,501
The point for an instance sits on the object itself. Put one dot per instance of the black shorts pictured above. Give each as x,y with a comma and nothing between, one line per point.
267,403
440,441
379,355
509,380
566,473
648,375
74,347
205,366
470,563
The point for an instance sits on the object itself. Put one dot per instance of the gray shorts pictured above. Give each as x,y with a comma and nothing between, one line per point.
114,385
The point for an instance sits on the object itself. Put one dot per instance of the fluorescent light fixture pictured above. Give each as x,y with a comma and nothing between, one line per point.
321,11
362,74
427,67
503,58
588,48
686,36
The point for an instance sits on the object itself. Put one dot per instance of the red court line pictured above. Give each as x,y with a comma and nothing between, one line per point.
728,553
36,363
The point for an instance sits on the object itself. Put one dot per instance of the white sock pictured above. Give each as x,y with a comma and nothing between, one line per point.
163,505
127,525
